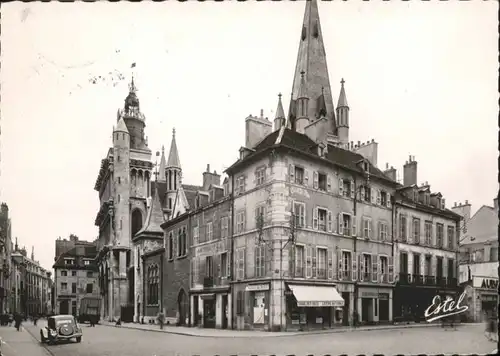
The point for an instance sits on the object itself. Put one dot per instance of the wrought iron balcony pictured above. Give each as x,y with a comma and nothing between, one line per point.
404,278
417,279
441,281
451,282
430,280
208,281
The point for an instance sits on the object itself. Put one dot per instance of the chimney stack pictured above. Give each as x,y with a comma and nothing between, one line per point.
463,209
410,172
390,172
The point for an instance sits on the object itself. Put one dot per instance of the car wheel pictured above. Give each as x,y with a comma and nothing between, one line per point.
42,338
79,339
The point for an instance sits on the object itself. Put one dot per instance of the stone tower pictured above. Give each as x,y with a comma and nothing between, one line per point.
173,173
343,115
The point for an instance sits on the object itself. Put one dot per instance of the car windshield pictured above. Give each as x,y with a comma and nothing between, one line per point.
64,321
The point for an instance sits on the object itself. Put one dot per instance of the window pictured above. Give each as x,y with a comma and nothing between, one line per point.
224,227
73,273
259,216
170,246
260,176
322,181
300,214
183,242
402,228
494,254
383,198
170,203
439,235
209,266
90,274
240,185
416,230
322,216
346,264
240,263
64,273
209,231
86,262
383,269
382,231
366,192
73,288
153,284
346,185
299,175
367,228
69,261
428,233
260,261
367,267
451,268
64,287
73,307
119,180
223,264
89,288
299,261
321,272
346,224
240,222
196,235
451,237
427,265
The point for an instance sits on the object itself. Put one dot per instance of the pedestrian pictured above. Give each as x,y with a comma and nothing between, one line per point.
92,321
161,319
118,322
35,319
18,320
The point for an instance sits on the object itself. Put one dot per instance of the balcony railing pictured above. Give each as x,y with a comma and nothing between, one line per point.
418,279
367,276
321,273
404,278
208,282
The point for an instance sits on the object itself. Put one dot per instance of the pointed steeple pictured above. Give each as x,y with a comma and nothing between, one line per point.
32,253
342,98
280,115
173,156
121,126
311,59
154,218
163,165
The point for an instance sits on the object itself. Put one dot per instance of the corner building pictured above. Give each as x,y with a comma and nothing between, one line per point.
312,212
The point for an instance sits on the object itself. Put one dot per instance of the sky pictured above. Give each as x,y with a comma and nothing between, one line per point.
420,78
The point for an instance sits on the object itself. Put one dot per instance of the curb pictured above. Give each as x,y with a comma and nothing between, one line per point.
319,332
38,342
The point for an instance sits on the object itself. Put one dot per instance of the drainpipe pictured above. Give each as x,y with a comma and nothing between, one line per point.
233,311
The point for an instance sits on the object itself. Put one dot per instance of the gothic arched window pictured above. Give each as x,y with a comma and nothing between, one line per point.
136,221
153,284
170,246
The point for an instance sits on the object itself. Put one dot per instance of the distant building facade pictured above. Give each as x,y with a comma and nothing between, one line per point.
479,267
5,259
75,277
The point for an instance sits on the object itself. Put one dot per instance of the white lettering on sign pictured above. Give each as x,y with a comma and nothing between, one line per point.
438,310
326,303
257,287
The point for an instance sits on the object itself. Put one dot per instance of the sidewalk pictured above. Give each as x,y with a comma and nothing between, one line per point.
20,343
201,332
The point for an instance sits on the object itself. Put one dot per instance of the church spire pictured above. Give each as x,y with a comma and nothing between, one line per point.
280,115
173,156
163,165
311,59
343,115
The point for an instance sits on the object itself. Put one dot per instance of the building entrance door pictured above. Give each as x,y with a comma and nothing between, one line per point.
259,304
224,311
64,307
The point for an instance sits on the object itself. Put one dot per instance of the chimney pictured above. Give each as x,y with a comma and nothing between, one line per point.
368,150
462,210
256,129
210,178
390,172
410,172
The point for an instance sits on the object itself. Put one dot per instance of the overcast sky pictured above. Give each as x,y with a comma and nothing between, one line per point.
421,79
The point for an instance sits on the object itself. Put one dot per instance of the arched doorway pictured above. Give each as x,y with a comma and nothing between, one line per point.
136,221
182,307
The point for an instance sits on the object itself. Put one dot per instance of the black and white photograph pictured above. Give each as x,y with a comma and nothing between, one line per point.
268,178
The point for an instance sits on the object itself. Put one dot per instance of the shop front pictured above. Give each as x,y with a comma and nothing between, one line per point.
482,298
313,307
211,309
258,297
375,305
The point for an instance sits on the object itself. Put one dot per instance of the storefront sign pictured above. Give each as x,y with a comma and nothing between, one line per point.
441,309
369,294
257,287
485,283
313,303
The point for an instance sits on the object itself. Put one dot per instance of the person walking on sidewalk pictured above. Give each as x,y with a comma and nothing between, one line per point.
18,319
161,319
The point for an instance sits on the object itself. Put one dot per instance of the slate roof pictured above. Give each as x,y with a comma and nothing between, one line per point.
162,191
155,218
303,144
89,252
190,192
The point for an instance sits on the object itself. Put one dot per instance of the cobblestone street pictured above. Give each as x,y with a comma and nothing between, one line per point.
115,341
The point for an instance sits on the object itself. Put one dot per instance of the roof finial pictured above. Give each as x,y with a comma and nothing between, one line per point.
162,149
342,82
302,73
173,132
322,90
279,96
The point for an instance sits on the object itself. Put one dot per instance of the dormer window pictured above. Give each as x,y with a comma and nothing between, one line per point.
427,199
415,195
366,166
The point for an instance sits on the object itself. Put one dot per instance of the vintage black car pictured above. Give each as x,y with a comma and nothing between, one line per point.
61,327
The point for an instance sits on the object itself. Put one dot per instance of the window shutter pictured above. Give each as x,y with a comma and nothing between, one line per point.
306,177
299,269
236,189
445,267
370,228
341,186
196,273
340,224
228,264
353,190
314,251
202,271
329,221
372,196
361,259
379,269
339,265
374,268
315,218
354,266
308,261
218,260
354,226
390,269
243,220
315,182
388,200
328,183
331,264
243,265
256,252
291,260
362,193
291,172
379,199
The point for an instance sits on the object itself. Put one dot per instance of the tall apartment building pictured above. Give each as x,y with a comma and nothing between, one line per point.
5,258
75,277
479,267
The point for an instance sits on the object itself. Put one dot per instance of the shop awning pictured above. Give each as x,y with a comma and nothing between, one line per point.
316,296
